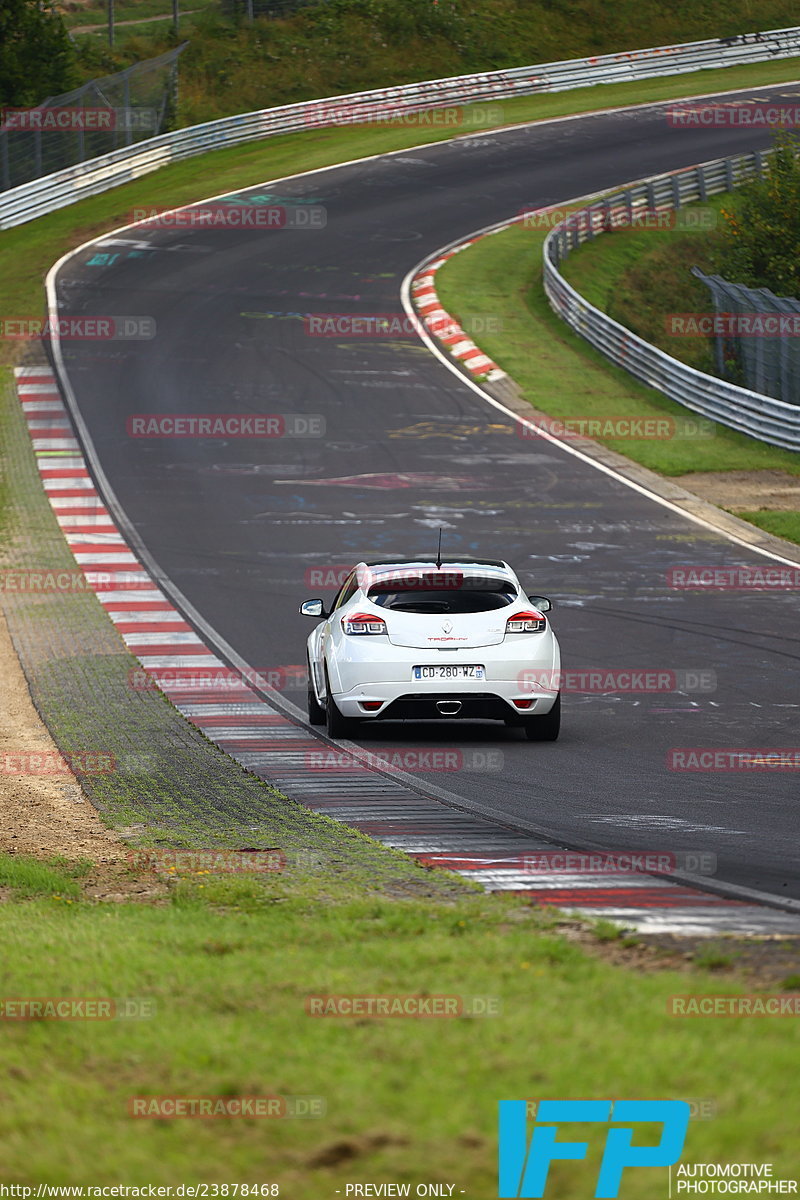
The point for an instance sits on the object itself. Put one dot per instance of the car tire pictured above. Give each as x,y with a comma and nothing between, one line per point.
547,727
316,712
336,725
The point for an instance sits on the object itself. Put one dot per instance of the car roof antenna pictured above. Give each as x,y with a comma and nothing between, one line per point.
439,552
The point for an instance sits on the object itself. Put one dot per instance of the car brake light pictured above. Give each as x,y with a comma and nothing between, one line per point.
526,622
363,623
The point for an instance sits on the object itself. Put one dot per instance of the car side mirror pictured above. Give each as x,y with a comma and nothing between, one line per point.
541,602
313,608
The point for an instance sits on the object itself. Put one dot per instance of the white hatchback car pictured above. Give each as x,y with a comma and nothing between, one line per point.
409,639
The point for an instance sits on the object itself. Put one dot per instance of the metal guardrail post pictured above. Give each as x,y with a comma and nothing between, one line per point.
701,183
126,104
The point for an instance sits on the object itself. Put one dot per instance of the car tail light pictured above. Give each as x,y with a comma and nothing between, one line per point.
358,623
529,621
524,703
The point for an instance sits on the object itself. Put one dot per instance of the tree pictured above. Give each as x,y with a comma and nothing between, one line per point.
37,59
760,237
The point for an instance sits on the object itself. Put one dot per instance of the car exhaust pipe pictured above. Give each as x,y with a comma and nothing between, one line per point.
448,708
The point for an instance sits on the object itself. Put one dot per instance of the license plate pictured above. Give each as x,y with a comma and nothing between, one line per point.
450,672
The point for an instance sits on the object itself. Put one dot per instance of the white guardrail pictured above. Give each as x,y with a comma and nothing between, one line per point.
51,192
760,416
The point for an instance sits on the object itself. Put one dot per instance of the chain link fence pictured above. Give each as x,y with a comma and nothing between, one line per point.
103,115
756,337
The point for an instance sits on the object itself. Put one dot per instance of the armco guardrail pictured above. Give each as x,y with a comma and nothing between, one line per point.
762,417
51,192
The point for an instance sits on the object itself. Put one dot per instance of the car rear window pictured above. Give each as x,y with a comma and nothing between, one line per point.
464,596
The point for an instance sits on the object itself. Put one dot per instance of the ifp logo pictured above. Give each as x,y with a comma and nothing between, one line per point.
523,1168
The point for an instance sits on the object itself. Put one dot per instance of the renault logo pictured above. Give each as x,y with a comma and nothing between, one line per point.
447,626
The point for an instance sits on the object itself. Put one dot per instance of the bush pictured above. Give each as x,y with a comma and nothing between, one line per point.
760,238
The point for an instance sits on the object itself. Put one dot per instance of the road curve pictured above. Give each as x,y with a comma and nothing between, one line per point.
237,525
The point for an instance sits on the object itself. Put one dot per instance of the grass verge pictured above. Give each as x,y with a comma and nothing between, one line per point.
26,876
560,374
782,524
225,966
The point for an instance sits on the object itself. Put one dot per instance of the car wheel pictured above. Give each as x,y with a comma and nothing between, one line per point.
546,728
337,726
316,713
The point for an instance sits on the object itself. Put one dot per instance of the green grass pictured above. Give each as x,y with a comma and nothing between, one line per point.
227,968
781,524
561,375
713,958
28,876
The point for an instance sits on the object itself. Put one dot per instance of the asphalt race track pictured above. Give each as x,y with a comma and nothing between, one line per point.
236,525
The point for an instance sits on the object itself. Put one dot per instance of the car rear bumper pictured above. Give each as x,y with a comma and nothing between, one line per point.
484,700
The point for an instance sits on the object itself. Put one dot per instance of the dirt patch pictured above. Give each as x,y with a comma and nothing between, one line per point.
769,963
745,490
41,814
